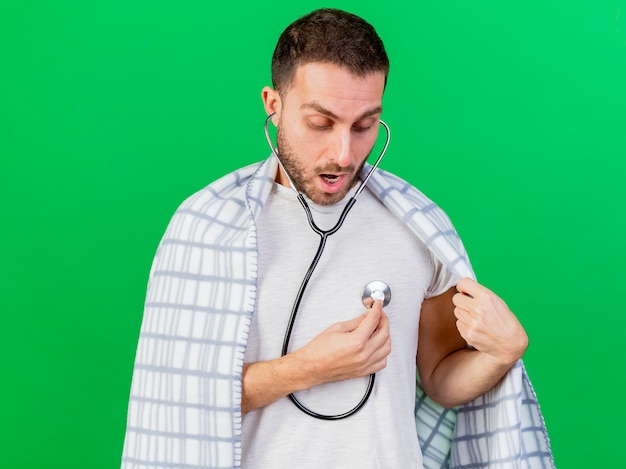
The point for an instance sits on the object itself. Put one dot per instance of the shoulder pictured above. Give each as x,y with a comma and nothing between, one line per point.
230,188
217,209
399,195
425,218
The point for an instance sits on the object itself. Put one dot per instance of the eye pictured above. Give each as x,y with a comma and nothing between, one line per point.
320,123
363,126
320,127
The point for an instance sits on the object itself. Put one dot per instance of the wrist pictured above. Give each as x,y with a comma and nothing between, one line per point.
304,373
507,358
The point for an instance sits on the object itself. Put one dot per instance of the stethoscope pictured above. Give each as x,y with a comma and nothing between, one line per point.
375,290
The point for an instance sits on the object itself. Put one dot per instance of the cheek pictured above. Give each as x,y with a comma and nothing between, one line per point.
307,137
296,133
363,146
308,144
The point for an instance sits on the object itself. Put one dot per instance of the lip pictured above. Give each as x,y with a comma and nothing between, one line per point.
333,188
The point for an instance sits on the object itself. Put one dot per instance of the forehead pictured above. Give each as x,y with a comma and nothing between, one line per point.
335,88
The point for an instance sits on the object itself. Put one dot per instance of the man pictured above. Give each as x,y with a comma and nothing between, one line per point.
211,381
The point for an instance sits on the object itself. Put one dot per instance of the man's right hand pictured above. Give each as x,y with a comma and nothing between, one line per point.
345,350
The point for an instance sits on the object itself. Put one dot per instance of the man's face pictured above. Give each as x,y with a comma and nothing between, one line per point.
328,121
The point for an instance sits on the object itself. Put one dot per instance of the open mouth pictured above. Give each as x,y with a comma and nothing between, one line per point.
331,178
332,183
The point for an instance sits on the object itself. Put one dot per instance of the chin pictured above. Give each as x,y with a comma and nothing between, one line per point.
327,199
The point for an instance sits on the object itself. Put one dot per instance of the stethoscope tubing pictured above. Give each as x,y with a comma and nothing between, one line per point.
324,234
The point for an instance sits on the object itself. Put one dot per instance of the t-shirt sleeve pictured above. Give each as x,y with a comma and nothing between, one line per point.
442,279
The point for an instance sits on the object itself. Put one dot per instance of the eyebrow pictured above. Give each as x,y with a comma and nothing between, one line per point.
322,110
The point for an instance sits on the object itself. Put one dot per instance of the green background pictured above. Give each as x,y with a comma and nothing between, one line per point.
511,115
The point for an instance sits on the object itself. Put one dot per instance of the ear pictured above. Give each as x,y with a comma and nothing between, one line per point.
272,103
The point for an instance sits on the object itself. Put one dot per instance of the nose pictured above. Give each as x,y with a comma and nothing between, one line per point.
342,150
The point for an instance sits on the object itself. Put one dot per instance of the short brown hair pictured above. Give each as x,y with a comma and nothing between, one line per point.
331,36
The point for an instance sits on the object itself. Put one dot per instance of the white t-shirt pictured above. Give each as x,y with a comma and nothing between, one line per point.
371,245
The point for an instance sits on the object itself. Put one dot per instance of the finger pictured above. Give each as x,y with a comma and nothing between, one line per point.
472,288
383,323
464,317
351,324
379,342
371,321
464,285
381,337
462,300
465,326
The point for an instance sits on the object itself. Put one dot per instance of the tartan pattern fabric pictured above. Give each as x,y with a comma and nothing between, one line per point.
184,409
505,426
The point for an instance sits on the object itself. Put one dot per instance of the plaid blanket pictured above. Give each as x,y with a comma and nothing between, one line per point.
184,409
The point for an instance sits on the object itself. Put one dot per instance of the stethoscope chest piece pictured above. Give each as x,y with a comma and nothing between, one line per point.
376,290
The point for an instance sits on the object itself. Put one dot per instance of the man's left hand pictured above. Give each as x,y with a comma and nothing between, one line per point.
487,324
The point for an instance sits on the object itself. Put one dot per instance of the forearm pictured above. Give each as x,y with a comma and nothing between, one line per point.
465,375
345,350
265,382
451,373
